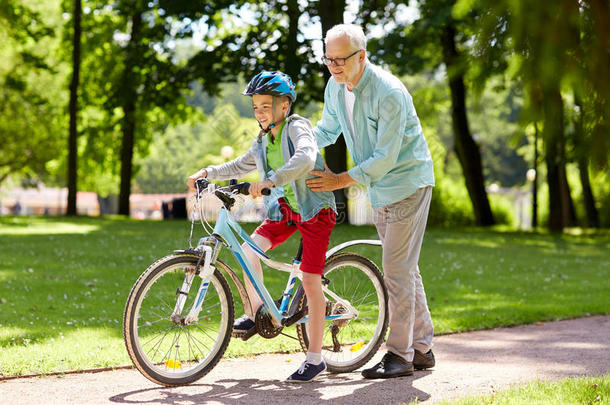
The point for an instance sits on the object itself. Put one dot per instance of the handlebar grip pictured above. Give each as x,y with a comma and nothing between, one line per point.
244,188
201,183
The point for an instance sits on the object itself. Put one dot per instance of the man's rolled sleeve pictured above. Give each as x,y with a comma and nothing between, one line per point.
390,132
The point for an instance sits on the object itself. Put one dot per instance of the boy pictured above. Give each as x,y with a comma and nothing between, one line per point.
284,152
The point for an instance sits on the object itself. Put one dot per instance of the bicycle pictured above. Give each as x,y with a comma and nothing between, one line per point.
172,347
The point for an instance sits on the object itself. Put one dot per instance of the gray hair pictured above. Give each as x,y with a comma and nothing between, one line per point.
353,32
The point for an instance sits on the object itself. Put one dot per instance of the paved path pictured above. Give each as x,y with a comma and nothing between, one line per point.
467,363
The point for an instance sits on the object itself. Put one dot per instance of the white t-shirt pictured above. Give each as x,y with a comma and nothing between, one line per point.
350,97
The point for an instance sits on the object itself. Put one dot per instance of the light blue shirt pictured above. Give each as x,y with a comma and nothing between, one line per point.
387,143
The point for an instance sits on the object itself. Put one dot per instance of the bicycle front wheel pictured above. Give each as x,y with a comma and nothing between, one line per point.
348,344
163,348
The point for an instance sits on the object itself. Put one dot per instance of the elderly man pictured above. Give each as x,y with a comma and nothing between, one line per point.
375,113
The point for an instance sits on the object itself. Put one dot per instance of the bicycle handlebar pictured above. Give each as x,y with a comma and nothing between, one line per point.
242,188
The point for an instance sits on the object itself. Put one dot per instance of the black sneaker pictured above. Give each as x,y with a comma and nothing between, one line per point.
422,361
242,325
307,372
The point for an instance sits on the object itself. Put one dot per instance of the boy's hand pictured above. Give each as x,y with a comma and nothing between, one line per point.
193,178
257,188
329,181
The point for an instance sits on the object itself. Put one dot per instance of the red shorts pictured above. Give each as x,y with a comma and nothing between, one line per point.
315,233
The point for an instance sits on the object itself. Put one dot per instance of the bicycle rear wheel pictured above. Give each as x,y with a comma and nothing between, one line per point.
171,352
349,344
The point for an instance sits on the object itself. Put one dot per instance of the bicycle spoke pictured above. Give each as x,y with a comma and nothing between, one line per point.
177,346
196,345
169,351
202,343
154,337
148,324
188,340
158,345
204,332
207,327
159,315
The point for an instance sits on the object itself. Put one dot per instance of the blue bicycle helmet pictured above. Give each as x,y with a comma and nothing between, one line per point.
273,84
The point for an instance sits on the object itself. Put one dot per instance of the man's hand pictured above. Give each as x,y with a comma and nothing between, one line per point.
193,178
257,188
329,181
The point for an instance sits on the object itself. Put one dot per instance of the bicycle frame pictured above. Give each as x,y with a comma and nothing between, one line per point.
226,228
225,225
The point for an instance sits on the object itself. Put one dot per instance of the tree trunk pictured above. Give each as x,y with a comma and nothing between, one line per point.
535,182
293,65
587,193
331,14
582,149
129,128
466,149
73,107
567,204
552,106
129,114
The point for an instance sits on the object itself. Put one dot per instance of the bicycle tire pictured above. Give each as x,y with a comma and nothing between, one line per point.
135,317
355,340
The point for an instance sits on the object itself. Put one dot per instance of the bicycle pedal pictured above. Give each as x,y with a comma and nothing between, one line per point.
247,335
237,334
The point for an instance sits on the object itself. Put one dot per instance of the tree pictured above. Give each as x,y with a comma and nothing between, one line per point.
331,14
581,149
591,99
134,83
273,41
170,162
466,149
543,43
128,94
73,108
29,128
594,58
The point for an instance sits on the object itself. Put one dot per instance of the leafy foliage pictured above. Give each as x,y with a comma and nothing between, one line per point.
186,148
31,114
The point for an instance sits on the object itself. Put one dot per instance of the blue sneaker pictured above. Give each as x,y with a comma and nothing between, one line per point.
307,372
242,325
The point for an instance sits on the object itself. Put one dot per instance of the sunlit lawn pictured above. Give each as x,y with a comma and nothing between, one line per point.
583,390
64,282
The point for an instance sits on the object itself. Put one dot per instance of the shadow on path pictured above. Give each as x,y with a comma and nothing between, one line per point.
347,388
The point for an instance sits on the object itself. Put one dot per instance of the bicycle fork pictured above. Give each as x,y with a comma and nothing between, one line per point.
205,274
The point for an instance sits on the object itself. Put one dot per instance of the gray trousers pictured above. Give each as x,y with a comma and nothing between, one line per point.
401,227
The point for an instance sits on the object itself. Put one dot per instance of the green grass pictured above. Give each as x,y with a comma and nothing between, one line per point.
64,282
582,391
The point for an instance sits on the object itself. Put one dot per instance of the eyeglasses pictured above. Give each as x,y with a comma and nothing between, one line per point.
337,61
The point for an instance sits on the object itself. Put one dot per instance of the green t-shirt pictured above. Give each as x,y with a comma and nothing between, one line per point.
275,161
